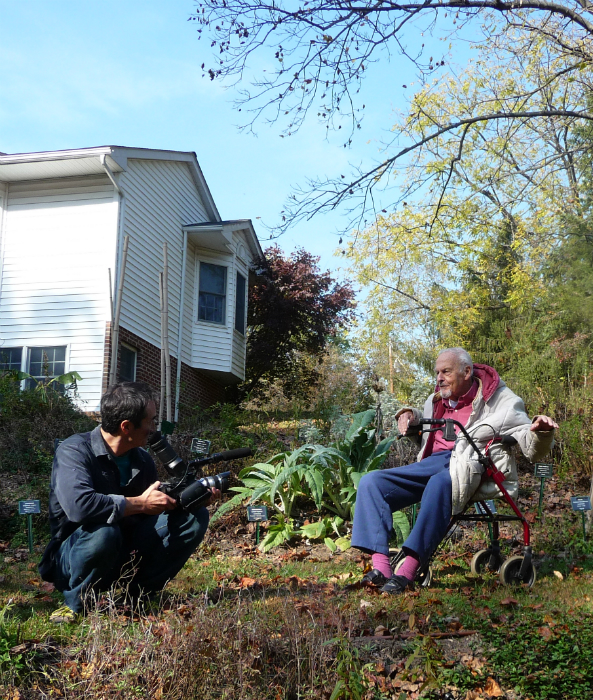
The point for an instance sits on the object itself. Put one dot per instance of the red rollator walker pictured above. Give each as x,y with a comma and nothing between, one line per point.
515,570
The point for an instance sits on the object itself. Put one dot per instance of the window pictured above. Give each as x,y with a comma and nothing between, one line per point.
45,364
212,296
10,358
240,303
127,363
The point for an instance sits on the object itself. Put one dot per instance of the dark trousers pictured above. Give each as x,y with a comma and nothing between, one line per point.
382,492
142,552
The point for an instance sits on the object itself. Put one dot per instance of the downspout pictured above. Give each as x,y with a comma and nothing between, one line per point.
180,326
4,196
112,371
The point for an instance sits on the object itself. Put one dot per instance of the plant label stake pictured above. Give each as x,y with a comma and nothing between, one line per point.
257,514
200,447
543,471
28,508
581,503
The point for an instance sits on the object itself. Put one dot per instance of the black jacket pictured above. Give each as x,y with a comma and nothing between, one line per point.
85,483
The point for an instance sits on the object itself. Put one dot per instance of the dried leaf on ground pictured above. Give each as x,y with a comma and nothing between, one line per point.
545,632
509,602
492,688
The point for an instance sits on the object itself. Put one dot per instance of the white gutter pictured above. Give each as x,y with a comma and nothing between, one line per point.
180,326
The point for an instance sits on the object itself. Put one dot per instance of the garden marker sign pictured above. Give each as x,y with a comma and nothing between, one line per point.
28,508
200,447
581,503
257,514
543,471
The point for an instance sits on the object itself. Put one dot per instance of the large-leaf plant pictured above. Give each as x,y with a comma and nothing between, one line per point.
344,463
278,483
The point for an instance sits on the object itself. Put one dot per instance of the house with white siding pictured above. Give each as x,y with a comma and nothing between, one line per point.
64,216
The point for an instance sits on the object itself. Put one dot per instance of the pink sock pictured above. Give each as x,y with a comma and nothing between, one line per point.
381,563
409,567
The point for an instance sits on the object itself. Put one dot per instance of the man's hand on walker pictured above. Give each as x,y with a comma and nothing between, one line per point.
403,422
543,424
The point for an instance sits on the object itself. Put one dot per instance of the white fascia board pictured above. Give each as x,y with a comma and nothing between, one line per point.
122,153
55,164
14,158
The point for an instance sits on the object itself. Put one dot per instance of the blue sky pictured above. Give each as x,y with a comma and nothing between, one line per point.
127,72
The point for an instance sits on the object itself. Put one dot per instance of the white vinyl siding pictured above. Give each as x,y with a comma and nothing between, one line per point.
59,240
160,198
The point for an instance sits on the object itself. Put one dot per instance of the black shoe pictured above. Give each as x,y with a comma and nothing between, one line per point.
375,577
397,584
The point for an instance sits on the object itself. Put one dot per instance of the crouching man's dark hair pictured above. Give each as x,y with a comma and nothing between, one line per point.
125,401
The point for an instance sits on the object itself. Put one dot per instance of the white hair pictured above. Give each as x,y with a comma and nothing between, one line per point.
462,357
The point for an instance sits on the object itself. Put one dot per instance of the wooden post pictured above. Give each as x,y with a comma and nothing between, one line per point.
166,330
115,333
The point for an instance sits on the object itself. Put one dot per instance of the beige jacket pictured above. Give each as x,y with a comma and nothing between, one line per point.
503,414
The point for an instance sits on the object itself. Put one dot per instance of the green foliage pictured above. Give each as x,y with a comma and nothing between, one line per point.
558,661
280,532
351,684
401,526
10,664
30,420
344,463
322,529
328,476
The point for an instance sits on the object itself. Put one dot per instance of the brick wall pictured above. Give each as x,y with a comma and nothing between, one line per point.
196,388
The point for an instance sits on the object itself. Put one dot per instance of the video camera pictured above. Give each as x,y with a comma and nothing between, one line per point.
189,491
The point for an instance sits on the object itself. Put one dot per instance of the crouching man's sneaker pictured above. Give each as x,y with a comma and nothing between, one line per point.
375,577
63,615
397,584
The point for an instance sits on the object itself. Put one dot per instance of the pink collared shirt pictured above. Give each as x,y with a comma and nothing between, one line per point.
460,411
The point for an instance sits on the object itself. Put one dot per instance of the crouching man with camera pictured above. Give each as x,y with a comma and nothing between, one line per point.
108,518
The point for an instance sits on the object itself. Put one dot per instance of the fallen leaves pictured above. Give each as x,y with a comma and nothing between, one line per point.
545,632
558,575
509,602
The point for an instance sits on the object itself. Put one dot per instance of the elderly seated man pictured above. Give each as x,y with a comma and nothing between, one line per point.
447,474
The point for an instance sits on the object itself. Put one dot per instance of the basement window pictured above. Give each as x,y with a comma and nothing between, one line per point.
45,364
10,359
128,357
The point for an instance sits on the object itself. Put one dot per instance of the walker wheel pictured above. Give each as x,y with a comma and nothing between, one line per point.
396,556
481,562
509,572
423,577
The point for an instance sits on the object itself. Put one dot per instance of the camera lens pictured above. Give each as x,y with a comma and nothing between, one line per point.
166,454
